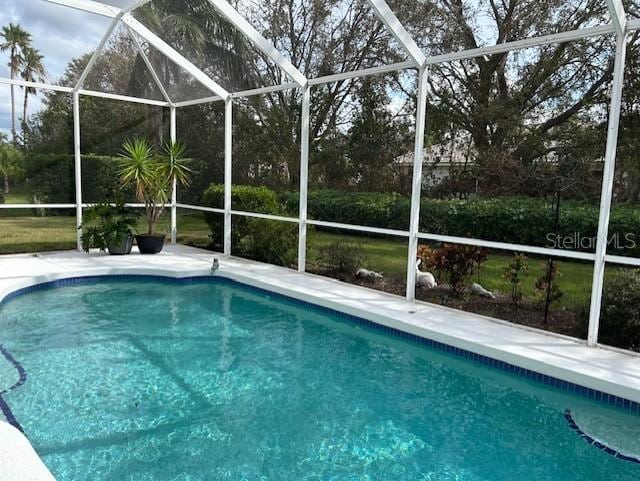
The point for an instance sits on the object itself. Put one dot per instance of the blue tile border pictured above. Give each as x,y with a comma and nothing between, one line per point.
594,442
566,386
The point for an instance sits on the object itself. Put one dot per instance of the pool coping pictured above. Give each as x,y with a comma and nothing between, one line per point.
608,376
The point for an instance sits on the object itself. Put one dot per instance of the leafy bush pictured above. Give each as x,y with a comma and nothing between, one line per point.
259,239
246,198
425,253
620,314
545,285
342,258
456,264
105,224
513,274
1,197
266,241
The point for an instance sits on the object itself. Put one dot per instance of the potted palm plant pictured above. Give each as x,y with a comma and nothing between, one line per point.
108,227
153,178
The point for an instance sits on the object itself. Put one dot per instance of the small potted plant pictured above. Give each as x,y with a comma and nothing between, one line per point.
153,178
108,227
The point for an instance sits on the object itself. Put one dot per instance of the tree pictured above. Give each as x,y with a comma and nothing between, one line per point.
515,106
16,41
9,161
627,187
320,38
376,138
33,70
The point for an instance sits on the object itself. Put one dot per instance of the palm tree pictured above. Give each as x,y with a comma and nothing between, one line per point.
201,34
33,70
16,40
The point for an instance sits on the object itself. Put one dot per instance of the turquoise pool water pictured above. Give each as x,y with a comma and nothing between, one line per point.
144,380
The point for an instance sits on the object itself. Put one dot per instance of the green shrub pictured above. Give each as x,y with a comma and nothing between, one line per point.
259,239
104,225
456,263
514,273
1,197
620,314
341,258
266,241
545,285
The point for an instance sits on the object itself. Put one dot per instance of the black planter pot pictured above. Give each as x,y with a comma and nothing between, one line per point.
150,244
123,247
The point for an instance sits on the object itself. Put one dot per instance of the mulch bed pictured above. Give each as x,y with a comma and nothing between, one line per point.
527,314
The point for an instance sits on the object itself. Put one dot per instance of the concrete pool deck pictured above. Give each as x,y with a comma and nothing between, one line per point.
606,370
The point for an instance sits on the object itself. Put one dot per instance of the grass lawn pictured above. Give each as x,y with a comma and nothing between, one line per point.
17,195
21,233
32,234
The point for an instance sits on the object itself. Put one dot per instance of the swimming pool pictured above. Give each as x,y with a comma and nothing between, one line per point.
154,380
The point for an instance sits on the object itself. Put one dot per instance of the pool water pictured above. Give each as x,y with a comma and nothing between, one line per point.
149,380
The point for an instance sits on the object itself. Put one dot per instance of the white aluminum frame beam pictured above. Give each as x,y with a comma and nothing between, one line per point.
88,6
228,155
358,228
395,67
416,187
97,52
147,62
123,98
305,121
174,187
398,31
88,93
105,38
238,95
36,85
200,208
532,42
174,56
504,246
37,206
606,193
618,15
232,15
150,37
258,215
77,167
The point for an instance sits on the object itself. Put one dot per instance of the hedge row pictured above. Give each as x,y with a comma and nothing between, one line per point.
527,221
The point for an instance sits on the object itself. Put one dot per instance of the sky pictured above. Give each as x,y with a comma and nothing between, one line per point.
60,33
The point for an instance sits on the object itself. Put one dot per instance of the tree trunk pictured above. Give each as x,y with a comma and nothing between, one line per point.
6,184
24,115
14,134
